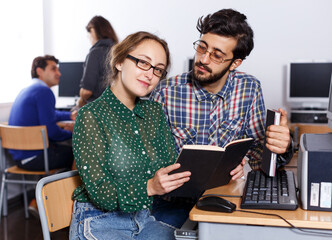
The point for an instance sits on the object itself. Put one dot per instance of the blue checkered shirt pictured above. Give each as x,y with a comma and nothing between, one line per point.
197,116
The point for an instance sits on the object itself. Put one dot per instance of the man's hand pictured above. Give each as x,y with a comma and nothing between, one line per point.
163,183
277,137
68,126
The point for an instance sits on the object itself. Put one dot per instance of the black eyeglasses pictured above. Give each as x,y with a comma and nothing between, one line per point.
215,56
146,66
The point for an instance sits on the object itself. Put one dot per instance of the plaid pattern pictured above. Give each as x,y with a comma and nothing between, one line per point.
197,116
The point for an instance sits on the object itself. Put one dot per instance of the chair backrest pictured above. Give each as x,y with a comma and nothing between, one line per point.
54,200
24,138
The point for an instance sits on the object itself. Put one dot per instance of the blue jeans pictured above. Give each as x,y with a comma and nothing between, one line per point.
172,213
88,222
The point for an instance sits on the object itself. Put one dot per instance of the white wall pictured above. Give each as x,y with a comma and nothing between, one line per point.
284,31
21,40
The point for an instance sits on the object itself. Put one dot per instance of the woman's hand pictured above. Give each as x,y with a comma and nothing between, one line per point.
163,183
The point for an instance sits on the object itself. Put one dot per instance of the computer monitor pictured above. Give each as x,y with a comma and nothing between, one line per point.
190,64
329,109
308,85
71,74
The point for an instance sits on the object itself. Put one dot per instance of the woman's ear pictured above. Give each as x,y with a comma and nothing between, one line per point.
119,66
236,63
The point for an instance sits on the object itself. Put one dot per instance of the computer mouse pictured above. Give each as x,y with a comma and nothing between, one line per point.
216,204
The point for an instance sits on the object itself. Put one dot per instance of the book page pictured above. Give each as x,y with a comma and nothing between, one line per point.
204,147
214,148
237,141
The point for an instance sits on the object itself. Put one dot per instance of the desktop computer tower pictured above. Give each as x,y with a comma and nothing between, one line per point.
314,171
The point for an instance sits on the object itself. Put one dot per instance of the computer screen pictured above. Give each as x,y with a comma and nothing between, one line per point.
71,74
308,84
190,64
329,109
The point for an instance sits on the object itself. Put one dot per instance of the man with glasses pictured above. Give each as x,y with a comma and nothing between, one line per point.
215,104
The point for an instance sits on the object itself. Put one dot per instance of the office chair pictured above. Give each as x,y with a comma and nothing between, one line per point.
20,138
54,200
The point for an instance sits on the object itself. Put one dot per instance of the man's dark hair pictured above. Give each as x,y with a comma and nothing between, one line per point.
229,23
41,62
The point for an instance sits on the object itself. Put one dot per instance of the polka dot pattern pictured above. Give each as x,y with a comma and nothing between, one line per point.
117,150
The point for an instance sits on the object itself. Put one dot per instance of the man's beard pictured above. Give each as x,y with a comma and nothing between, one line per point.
210,79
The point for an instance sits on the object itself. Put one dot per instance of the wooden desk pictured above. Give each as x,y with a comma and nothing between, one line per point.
299,128
310,128
240,225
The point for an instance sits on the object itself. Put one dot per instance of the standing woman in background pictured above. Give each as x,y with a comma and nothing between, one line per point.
102,37
124,149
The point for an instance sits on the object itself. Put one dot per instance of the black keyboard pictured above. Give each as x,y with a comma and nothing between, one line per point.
263,192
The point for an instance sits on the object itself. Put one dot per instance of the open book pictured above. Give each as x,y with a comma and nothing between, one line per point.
269,159
209,166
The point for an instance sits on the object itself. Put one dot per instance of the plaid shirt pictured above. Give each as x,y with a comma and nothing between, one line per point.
197,116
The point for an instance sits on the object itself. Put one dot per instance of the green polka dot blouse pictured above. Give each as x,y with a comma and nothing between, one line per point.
117,150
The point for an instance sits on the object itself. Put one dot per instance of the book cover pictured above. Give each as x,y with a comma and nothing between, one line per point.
269,159
209,166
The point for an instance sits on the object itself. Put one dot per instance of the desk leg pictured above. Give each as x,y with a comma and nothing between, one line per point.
216,231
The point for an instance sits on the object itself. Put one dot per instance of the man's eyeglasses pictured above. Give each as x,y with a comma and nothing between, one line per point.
146,66
216,56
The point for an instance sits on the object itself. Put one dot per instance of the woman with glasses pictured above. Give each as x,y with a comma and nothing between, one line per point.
124,149
102,37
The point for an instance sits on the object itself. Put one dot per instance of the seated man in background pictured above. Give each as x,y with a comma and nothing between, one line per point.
35,105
